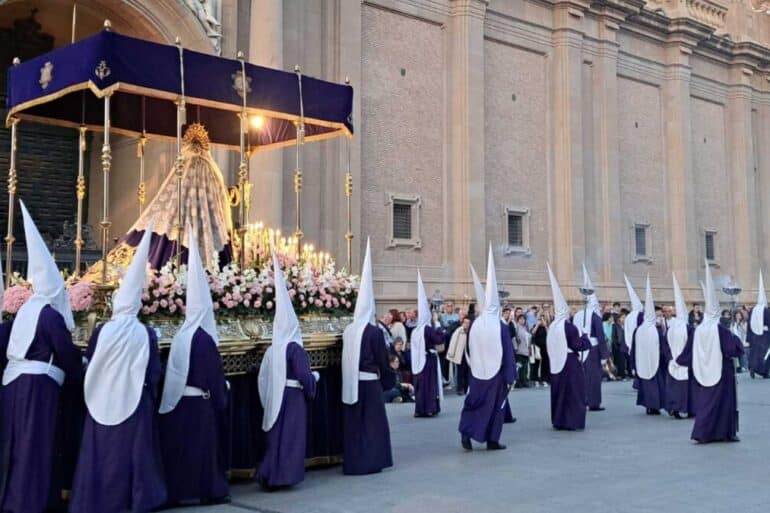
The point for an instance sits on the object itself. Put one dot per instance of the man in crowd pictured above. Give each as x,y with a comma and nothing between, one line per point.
411,323
456,355
696,315
384,325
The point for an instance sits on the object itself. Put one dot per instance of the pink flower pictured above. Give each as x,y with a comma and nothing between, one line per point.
172,308
269,305
318,303
328,304
304,304
216,305
257,304
163,303
247,296
81,296
247,303
15,297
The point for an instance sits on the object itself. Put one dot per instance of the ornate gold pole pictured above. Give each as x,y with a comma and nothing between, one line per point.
300,125
243,172
80,192
106,166
12,181
179,163
348,195
141,192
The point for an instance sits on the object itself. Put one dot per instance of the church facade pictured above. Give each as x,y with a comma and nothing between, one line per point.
626,134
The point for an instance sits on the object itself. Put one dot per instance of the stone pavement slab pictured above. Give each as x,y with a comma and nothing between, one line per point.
624,462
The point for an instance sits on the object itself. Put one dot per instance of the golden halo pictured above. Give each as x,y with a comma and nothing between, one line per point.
197,134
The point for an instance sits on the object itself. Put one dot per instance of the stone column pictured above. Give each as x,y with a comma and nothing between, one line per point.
465,166
763,187
740,161
566,179
681,230
266,49
608,211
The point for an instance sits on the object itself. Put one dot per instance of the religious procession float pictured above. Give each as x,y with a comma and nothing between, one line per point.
115,84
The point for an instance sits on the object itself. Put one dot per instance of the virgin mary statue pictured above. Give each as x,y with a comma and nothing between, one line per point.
205,208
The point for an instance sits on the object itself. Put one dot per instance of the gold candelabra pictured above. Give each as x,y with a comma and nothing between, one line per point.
259,242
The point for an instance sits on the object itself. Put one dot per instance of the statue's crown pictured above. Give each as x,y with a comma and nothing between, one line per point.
197,134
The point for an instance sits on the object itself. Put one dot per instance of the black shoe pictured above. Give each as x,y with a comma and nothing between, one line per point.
466,443
752,375
495,446
734,439
216,500
652,411
265,485
598,408
676,415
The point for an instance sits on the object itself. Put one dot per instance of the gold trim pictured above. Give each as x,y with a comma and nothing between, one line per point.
341,128
323,460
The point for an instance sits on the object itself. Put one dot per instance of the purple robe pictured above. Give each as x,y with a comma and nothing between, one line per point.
28,412
716,407
592,367
194,434
366,435
651,393
484,411
758,347
568,387
283,463
119,468
678,397
427,401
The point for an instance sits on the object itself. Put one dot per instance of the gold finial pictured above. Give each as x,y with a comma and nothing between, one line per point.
178,41
297,69
107,25
16,61
239,55
197,134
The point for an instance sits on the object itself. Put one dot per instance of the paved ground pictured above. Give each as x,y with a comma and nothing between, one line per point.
623,462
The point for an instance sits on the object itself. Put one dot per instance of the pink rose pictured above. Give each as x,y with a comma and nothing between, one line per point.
269,305
163,303
216,305
318,303
172,308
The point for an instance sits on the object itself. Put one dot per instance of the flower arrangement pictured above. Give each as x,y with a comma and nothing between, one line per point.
315,287
80,293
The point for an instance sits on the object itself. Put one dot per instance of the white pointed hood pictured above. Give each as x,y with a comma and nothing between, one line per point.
485,348
584,316
47,289
647,340
757,322
418,334
116,374
632,319
478,289
353,335
706,348
199,313
556,340
272,372
677,334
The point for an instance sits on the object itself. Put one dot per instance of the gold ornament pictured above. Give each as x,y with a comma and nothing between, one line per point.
197,134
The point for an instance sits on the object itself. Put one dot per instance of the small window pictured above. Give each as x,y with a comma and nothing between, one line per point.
402,221
516,226
710,241
515,230
640,240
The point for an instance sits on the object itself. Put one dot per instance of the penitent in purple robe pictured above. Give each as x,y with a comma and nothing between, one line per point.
119,468
366,434
427,401
568,387
28,410
484,411
716,407
678,396
592,367
194,434
758,348
651,393
285,444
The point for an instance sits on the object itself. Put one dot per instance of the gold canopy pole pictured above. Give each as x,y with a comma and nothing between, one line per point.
348,194
12,181
298,170
179,163
106,166
141,190
80,192
243,172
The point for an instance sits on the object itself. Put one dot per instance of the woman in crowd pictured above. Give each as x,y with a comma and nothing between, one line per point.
397,328
740,330
522,342
539,336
